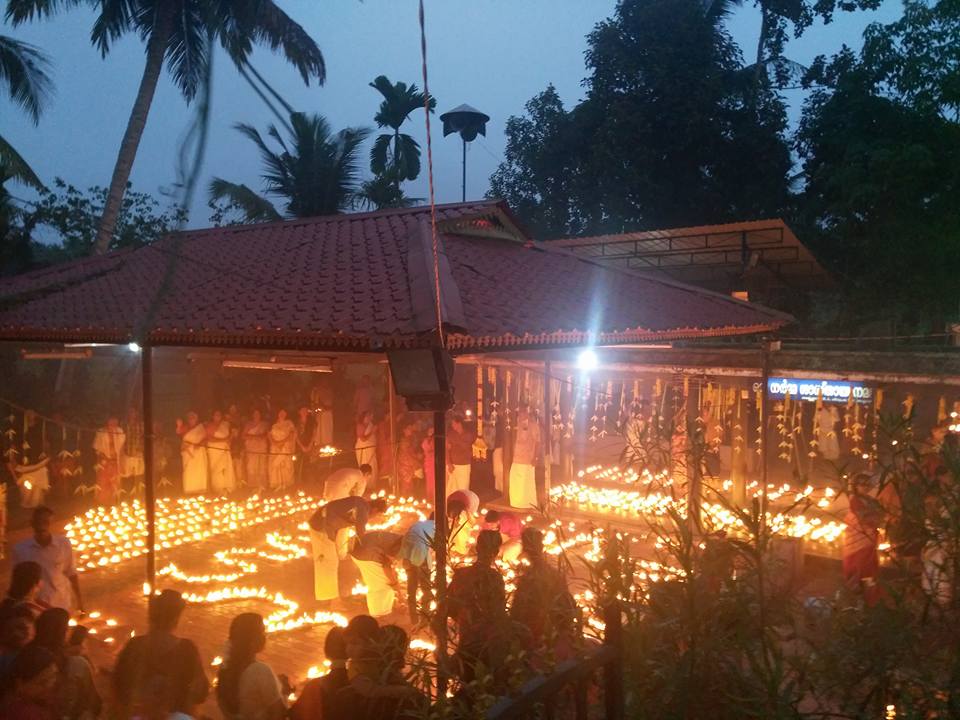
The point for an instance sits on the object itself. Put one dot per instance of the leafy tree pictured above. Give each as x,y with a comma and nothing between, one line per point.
317,173
660,139
72,214
539,172
183,33
880,144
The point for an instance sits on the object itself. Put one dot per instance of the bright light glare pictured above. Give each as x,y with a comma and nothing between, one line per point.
133,347
587,360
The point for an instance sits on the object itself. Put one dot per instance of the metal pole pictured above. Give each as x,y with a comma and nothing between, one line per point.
464,183
440,542
394,477
149,485
547,427
765,363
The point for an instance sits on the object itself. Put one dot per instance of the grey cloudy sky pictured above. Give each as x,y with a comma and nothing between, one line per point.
493,54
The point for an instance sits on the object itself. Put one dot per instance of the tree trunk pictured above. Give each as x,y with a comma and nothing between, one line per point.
761,66
156,50
396,164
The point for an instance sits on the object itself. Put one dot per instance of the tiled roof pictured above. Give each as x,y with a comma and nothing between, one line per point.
360,281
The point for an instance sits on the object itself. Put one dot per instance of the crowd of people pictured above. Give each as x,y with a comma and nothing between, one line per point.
158,675
259,446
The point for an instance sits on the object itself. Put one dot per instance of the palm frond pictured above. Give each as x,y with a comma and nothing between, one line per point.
115,19
21,11
399,101
252,134
382,192
349,142
263,22
379,153
23,69
14,167
317,172
255,208
407,153
719,10
188,49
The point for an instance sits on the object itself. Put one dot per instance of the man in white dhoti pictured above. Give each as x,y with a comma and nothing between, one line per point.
346,482
374,556
193,453
523,478
330,539
32,474
219,458
283,443
459,455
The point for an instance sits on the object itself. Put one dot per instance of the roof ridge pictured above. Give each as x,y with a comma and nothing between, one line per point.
340,217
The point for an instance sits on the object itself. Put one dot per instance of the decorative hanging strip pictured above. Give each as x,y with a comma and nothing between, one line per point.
508,412
479,446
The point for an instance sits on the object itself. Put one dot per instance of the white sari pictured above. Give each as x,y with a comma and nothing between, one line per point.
193,453
283,438
222,477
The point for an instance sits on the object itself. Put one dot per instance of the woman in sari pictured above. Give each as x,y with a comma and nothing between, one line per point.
108,445
283,442
255,449
193,453
222,479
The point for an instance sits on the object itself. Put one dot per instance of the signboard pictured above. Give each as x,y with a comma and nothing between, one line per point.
835,391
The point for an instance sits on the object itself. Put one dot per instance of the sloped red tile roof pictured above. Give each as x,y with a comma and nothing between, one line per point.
361,281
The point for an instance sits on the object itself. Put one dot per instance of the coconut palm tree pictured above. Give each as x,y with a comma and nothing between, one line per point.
183,33
395,154
23,74
315,173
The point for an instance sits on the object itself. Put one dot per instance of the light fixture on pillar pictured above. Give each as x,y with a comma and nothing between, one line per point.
423,377
469,122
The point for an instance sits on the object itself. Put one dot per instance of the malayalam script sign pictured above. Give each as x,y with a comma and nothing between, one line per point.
837,391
